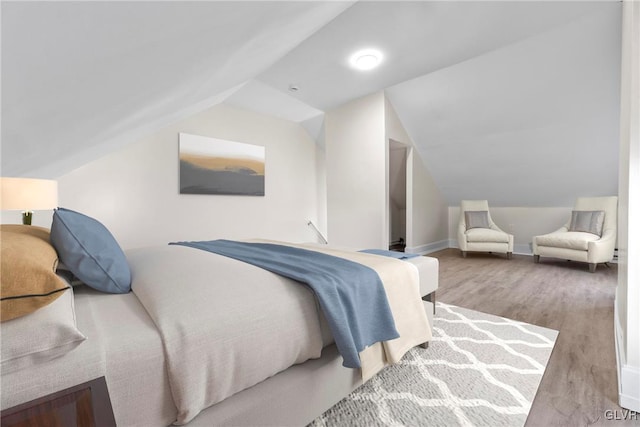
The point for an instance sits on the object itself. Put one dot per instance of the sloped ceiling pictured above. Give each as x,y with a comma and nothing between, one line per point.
515,102
535,123
82,78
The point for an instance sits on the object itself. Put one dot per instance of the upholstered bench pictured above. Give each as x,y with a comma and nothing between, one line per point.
428,273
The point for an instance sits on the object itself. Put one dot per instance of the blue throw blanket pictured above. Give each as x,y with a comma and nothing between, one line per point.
351,295
391,254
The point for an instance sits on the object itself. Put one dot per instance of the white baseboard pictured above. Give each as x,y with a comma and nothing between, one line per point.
428,248
628,376
630,385
520,249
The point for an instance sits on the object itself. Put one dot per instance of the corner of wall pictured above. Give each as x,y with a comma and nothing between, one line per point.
427,217
628,375
626,315
355,171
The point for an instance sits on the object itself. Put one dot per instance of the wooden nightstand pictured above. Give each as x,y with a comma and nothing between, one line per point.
84,405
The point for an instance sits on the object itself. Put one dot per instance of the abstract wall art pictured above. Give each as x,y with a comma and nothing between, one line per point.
217,166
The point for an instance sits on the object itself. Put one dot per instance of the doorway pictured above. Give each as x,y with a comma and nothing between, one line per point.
398,153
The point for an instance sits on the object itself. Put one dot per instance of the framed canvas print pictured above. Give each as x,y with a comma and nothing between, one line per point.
217,166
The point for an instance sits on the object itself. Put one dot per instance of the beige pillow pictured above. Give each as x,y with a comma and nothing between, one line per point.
44,335
27,270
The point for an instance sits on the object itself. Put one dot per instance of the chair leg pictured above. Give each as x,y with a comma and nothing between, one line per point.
592,267
509,255
464,254
536,259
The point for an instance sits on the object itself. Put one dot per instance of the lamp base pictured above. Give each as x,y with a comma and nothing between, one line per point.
27,217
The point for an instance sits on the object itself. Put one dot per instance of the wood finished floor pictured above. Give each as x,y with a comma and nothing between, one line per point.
580,382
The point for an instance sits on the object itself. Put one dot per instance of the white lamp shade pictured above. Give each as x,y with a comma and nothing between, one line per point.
28,194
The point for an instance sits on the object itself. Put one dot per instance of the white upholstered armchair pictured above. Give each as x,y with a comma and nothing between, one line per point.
478,233
589,235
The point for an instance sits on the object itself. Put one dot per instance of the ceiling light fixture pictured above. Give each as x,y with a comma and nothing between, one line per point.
366,59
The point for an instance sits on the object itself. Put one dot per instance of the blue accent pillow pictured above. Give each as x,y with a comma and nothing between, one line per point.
90,251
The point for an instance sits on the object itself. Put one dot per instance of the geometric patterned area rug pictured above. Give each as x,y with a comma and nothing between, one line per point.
479,370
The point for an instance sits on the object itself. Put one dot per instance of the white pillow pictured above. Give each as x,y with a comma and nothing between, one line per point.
45,334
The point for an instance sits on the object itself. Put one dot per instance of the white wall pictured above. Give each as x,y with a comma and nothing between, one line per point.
321,191
321,180
357,137
627,313
522,222
356,180
40,218
426,207
428,210
135,192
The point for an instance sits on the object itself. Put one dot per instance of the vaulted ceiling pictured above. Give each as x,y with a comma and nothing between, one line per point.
515,102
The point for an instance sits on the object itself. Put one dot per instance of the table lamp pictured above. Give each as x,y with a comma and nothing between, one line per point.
28,195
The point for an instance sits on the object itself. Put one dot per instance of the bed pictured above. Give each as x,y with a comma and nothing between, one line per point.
301,371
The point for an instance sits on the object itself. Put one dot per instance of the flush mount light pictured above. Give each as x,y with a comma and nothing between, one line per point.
366,59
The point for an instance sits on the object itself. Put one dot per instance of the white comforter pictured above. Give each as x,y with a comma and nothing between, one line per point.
227,325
